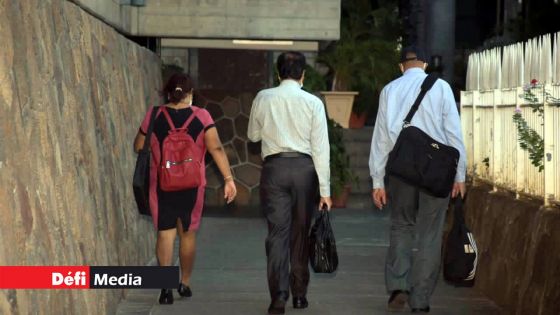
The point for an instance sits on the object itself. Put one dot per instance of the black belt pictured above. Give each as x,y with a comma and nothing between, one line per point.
287,155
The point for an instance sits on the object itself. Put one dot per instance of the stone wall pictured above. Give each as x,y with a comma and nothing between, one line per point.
519,248
72,95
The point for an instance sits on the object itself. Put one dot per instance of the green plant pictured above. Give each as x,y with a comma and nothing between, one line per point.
365,58
313,81
341,173
529,139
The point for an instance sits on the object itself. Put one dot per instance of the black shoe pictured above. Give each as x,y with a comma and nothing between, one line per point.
184,290
421,310
300,302
397,301
166,296
275,309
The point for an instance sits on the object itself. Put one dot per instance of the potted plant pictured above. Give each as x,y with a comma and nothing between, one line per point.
342,175
363,60
339,101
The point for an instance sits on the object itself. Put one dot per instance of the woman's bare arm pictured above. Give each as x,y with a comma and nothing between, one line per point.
214,146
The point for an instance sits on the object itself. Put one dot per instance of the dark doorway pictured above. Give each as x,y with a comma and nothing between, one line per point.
233,70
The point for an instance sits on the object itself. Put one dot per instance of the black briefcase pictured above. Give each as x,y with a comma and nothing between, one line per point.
421,161
141,179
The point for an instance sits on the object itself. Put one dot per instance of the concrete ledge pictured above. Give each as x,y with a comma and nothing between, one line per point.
519,248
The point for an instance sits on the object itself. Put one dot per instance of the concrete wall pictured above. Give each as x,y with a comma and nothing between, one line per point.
112,12
267,19
252,19
72,95
519,248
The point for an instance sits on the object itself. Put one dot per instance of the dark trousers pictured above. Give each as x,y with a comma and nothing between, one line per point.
414,212
289,197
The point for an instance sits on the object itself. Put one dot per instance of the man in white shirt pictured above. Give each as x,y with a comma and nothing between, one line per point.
292,126
412,208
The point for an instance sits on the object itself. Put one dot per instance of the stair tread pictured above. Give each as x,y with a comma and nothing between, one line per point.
358,143
358,135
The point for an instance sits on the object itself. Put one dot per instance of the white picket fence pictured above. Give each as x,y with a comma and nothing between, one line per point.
495,81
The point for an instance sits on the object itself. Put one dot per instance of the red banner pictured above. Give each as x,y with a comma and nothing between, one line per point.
88,277
44,277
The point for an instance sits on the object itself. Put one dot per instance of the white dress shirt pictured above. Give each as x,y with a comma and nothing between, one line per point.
288,119
437,116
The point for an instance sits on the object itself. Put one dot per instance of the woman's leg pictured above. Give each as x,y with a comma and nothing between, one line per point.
187,249
164,253
164,246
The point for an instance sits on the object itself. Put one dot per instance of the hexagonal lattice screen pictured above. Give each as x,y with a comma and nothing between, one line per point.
231,116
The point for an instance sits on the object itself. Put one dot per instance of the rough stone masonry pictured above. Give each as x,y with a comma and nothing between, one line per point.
72,94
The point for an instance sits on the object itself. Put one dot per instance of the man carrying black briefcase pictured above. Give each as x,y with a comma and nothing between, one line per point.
417,161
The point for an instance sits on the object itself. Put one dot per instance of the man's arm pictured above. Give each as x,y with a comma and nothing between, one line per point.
320,149
453,131
380,144
254,128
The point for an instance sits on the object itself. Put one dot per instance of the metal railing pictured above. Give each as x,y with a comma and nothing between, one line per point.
497,83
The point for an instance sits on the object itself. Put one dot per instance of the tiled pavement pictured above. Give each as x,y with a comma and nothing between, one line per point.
230,273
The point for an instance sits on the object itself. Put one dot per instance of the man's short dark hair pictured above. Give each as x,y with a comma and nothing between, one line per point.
413,53
290,65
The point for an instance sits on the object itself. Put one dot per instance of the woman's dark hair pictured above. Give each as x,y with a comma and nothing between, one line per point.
177,87
290,65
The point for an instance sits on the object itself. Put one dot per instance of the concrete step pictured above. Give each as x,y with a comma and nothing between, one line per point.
359,160
362,186
363,183
357,149
362,173
358,135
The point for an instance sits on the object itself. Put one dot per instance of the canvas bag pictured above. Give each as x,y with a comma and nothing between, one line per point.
461,254
181,158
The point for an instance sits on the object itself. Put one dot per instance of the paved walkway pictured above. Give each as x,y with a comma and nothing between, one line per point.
230,274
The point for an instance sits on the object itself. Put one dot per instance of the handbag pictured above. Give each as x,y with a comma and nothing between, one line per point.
418,159
461,253
141,179
322,250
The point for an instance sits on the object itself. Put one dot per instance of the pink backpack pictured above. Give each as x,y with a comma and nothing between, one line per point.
181,158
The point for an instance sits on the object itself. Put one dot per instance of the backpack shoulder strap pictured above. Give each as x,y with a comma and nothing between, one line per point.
193,116
150,129
426,86
169,120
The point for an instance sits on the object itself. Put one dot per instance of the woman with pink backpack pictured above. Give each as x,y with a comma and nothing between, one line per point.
181,133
